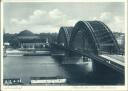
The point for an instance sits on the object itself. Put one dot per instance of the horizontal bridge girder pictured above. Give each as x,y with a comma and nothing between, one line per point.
110,63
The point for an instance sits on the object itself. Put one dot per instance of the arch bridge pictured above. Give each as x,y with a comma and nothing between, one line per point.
91,39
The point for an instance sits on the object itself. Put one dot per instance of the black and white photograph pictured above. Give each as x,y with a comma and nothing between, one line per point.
64,44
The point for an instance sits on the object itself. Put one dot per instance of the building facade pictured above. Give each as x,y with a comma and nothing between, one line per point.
28,40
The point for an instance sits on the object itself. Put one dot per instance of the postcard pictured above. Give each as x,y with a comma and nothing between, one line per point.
63,45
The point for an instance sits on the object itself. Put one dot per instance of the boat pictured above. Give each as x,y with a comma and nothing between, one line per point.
48,80
14,53
26,53
38,53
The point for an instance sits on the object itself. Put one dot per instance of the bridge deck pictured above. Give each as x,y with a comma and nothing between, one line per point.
119,59
114,62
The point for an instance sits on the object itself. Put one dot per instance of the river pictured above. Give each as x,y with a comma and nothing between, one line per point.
77,73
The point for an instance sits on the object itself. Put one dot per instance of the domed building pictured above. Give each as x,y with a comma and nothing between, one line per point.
28,40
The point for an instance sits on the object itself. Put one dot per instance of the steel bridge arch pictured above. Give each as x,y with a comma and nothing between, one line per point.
99,34
64,35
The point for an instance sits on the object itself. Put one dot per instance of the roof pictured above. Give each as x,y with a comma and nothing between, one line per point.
26,33
34,40
27,36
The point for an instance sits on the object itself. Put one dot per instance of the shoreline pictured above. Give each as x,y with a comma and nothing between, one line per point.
26,53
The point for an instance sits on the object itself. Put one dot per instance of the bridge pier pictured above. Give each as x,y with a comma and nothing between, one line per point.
105,75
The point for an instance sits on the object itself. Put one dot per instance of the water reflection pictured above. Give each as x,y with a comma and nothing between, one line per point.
75,69
89,72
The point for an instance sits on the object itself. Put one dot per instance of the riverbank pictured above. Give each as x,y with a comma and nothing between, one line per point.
16,52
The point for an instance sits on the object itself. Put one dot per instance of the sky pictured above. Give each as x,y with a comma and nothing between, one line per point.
39,17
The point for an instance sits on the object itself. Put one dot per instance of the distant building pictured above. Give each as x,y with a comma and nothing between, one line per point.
28,40
121,42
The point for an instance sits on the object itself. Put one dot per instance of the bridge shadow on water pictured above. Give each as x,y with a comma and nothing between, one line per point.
86,74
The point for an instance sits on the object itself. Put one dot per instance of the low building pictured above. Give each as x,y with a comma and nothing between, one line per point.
28,40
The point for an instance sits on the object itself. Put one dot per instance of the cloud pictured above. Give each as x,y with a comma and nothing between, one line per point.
38,16
56,14
54,17
39,12
50,21
44,21
18,22
115,23
13,20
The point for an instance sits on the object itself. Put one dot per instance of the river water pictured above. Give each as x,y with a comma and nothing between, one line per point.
77,72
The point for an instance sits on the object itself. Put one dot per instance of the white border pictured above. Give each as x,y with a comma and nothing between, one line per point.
1,44
64,0
65,88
